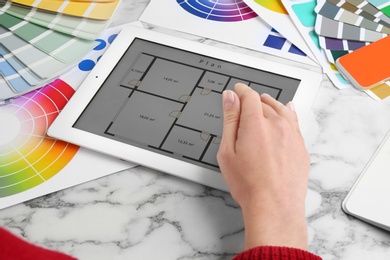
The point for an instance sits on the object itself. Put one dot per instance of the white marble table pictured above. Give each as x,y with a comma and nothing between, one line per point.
144,214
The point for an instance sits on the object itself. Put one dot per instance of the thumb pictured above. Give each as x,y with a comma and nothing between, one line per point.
231,120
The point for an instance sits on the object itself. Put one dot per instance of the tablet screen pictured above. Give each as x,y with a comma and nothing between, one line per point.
168,100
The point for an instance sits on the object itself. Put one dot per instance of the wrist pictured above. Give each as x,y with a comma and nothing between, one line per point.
275,228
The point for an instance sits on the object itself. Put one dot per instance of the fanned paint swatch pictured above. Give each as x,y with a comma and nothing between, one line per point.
335,29
16,65
382,5
40,40
274,13
340,44
85,28
303,14
331,11
343,26
64,47
32,65
87,9
40,63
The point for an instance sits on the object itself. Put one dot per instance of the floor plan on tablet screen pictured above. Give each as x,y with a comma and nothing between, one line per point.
169,101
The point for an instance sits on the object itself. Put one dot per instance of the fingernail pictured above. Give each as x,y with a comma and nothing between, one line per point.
291,106
228,99
265,95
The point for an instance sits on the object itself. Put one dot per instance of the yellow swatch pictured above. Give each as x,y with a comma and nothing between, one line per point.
88,9
100,1
382,91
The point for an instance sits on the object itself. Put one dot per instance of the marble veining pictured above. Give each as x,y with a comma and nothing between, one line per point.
144,214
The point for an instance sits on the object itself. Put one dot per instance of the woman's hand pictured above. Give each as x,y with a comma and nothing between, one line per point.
265,164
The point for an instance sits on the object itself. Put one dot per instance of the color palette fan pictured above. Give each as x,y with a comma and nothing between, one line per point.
39,40
344,26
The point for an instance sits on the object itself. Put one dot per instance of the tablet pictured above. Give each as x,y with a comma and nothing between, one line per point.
155,100
367,199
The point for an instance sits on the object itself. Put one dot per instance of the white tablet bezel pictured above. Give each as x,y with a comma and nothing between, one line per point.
365,198
62,126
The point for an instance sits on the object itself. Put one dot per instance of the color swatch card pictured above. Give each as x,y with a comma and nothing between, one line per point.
380,92
340,44
346,26
13,75
304,17
64,47
334,32
382,5
230,21
39,63
380,13
335,29
33,164
368,66
31,64
341,20
275,15
87,9
41,40
10,75
89,29
366,10
336,13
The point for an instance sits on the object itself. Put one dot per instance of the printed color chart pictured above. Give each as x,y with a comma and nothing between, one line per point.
275,6
303,14
277,41
229,21
224,10
276,16
33,164
28,157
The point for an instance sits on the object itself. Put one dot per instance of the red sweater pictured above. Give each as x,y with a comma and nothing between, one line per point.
276,253
14,248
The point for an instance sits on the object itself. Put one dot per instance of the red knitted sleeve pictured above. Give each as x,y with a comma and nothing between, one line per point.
276,253
14,248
